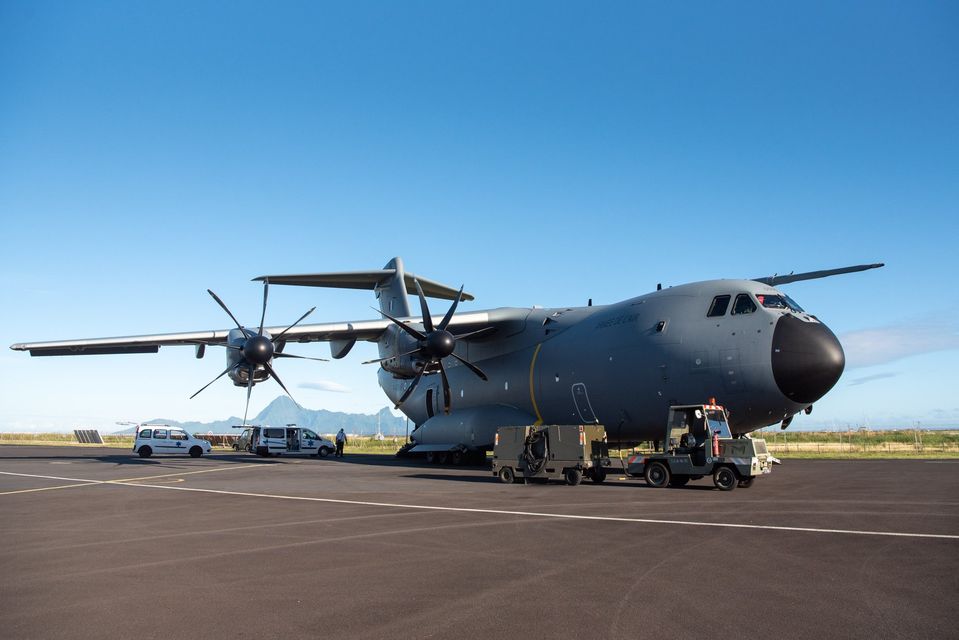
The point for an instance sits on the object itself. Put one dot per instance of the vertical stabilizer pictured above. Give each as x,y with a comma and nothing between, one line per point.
391,291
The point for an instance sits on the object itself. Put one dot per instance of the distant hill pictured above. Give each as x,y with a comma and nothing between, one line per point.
284,411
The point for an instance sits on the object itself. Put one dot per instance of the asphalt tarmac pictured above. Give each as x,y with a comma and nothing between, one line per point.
97,543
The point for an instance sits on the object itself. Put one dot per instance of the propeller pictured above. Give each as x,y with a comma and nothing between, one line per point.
434,344
257,350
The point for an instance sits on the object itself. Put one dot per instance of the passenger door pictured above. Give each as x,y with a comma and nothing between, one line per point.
309,442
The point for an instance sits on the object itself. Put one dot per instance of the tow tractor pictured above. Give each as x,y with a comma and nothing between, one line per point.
698,443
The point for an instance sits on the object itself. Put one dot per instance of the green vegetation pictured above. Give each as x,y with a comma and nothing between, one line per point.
859,444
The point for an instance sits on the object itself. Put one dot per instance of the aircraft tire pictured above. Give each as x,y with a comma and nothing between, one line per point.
457,458
430,457
443,458
725,479
196,452
597,475
745,483
657,474
145,452
507,475
573,477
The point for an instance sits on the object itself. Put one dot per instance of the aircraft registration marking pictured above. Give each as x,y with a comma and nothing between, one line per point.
535,514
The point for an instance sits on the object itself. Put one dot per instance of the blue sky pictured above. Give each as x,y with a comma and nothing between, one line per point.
540,153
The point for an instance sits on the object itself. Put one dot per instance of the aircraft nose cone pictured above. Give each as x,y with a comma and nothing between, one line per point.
807,359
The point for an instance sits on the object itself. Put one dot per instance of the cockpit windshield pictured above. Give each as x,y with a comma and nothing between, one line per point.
778,302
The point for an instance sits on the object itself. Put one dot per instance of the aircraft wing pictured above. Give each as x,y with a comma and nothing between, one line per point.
341,335
813,275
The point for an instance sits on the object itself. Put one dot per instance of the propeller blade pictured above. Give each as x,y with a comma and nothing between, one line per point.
405,327
266,290
272,373
275,339
409,389
408,353
472,367
446,389
449,314
225,371
229,313
249,388
290,355
427,319
475,334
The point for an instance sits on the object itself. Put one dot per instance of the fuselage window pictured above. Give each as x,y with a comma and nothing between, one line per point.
778,302
718,307
744,304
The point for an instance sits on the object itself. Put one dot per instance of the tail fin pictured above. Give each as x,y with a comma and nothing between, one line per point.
391,284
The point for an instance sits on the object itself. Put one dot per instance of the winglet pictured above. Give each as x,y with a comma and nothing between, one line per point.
813,275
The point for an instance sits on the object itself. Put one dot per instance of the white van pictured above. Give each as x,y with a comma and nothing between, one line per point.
290,439
153,438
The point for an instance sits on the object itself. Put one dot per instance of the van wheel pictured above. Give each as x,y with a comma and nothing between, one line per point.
725,479
196,452
573,477
597,475
145,452
323,452
657,474
507,475
745,483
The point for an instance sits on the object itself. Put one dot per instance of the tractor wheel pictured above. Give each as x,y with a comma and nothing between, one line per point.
657,474
597,475
679,481
725,479
573,477
507,475
745,483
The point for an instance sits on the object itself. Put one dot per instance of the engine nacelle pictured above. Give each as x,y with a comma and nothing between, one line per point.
240,368
394,343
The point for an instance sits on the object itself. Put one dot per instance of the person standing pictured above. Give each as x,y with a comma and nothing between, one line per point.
340,442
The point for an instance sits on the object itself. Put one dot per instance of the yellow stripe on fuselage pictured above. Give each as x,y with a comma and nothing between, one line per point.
532,393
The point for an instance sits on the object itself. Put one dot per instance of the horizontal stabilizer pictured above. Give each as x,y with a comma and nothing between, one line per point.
366,280
813,275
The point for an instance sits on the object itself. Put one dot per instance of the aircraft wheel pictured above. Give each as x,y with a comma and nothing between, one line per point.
679,481
573,477
597,475
430,457
145,452
657,474
443,457
725,479
457,458
745,483
196,452
236,447
507,475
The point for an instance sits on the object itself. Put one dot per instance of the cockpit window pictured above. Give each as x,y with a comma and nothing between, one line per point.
744,304
778,302
718,307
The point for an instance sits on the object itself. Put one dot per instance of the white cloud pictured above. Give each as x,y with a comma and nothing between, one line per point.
326,385
881,345
878,376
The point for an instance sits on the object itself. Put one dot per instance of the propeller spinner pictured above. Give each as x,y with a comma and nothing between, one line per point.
434,344
257,351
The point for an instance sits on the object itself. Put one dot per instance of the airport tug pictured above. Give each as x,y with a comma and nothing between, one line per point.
698,443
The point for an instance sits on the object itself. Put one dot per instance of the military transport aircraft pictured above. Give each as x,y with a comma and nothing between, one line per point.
462,376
